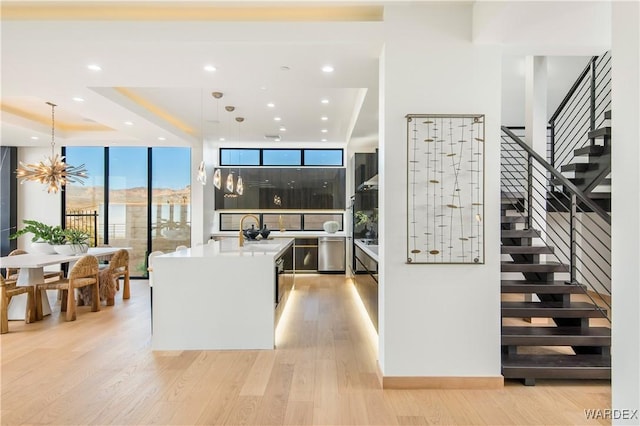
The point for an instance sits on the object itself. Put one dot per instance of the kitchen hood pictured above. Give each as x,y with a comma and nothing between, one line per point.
369,184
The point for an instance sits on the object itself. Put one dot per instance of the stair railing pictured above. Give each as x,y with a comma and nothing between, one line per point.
576,227
581,110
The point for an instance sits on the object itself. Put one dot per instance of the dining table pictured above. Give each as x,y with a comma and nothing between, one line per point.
31,272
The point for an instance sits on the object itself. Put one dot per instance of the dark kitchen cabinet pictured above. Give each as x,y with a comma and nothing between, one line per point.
306,254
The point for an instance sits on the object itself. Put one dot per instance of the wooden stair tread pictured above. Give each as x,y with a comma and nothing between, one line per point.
513,219
599,195
557,366
600,133
557,336
589,150
550,310
526,249
533,267
575,181
556,331
575,167
553,287
520,233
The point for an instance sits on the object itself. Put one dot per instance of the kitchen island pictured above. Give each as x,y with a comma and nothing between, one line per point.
218,296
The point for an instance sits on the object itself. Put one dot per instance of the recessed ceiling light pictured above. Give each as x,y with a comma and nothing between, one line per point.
209,68
263,87
283,129
129,123
94,67
324,118
78,99
35,138
327,68
324,101
221,139
284,68
324,130
162,138
323,140
271,105
277,118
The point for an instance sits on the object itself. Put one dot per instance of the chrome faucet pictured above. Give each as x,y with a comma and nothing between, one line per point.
241,235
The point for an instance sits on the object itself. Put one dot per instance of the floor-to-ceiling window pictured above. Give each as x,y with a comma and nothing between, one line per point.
147,192
84,203
170,198
128,193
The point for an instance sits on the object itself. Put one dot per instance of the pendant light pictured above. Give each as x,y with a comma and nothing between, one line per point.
240,183
217,179
52,171
229,185
202,170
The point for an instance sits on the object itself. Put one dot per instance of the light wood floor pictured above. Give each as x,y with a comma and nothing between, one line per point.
100,370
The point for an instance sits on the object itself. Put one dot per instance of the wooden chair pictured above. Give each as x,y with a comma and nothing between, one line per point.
119,267
8,289
12,273
83,273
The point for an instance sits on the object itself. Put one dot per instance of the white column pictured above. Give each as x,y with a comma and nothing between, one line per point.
536,138
536,128
625,193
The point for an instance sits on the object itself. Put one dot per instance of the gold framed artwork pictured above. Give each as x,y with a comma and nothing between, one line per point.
445,188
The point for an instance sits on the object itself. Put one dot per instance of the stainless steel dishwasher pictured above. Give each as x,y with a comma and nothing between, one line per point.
331,255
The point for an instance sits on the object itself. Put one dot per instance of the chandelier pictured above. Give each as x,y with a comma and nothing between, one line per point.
52,171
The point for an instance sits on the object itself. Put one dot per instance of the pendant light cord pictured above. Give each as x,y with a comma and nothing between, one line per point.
53,127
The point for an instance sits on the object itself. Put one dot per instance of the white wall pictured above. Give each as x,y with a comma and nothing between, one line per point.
34,202
625,269
562,72
544,27
436,320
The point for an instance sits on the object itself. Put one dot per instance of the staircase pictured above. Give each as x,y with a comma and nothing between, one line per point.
591,167
525,347
556,239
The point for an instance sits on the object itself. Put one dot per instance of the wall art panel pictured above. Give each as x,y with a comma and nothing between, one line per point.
445,184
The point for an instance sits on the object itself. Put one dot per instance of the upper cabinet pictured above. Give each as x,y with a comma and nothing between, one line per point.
281,188
366,171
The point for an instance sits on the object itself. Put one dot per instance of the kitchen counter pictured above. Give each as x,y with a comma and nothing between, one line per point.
217,296
285,234
370,250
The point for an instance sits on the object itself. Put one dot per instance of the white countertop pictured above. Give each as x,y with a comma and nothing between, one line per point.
218,296
370,250
230,247
286,234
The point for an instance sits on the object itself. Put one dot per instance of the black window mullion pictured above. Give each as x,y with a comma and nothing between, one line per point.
63,192
105,226
149,198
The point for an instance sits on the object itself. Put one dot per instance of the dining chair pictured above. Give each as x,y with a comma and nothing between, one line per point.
83,273
12,273
119,267
8,289
182,247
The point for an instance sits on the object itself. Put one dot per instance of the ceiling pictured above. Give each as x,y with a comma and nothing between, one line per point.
152,88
